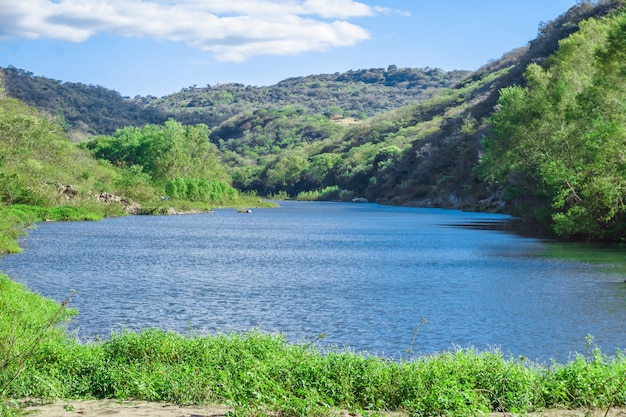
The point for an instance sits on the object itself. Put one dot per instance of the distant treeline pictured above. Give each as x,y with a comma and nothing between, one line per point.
88,108
97,110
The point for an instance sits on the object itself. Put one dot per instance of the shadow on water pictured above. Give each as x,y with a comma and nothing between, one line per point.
611,258
508,225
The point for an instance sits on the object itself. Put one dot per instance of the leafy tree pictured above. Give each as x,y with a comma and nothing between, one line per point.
200,189
284,172
164,152
559,142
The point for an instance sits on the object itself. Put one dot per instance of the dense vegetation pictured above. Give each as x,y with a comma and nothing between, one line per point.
88,109
258,373
177,160
81,109
38,162
558,142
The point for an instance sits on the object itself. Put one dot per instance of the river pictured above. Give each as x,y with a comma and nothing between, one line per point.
363,275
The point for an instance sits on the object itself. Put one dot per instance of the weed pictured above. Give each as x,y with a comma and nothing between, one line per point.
261,374
27,321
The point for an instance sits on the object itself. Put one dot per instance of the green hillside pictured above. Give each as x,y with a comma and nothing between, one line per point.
88,109
422,154
558,144
352,135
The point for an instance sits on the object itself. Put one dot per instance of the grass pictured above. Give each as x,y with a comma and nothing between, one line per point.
27,321
16,219
259,373
325,194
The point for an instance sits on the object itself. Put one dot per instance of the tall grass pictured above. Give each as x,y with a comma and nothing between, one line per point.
27,321
258,373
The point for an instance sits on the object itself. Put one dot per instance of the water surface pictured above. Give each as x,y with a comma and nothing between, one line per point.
362,274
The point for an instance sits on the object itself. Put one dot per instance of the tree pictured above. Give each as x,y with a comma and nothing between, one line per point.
164,152
559,143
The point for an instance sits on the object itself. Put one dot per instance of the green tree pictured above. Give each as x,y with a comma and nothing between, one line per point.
558,144
284,172
164,152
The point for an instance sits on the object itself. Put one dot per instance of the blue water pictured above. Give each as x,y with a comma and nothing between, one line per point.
363,275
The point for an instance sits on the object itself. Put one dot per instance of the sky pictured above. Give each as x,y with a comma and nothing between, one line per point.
158,47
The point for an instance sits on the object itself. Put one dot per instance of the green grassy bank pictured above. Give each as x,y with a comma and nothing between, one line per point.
260,373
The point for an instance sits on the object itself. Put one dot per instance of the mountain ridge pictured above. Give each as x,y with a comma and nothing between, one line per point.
90,109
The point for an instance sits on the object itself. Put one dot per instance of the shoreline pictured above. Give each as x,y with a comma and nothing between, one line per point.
131,408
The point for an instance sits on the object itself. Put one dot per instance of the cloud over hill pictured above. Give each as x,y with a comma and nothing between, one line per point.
232,31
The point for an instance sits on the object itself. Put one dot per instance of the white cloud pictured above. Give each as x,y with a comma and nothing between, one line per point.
232,30
387,10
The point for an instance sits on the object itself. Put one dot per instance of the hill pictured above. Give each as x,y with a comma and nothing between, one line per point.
295,139
422,154
81,109
88,109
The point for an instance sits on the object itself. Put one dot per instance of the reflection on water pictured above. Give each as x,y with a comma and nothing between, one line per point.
365,275
606,258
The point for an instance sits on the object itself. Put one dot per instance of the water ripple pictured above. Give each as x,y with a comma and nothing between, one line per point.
365,275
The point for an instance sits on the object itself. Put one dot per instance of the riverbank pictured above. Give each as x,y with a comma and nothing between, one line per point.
102,408
263,374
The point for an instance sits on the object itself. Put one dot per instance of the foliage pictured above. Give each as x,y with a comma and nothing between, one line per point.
325,194
87,109
39,166
12,226
200,189
558,143
354,93
263,373
162,152
265,131
80,108
27,320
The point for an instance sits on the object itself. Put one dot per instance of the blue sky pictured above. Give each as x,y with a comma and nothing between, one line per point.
157,47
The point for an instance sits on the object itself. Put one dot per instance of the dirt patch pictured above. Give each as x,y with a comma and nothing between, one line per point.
102,408
614,412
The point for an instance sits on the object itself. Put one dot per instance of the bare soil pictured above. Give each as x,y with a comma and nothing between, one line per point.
102,408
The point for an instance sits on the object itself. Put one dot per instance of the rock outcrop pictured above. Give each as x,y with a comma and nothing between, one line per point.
107,198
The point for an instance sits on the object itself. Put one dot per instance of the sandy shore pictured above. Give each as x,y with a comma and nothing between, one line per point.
101,408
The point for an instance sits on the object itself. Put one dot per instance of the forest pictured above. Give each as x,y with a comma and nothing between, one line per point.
559,143
538,133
